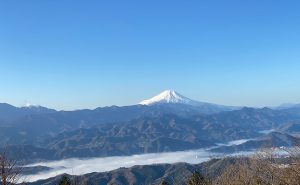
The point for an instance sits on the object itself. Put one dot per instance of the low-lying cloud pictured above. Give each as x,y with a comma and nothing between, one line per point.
83,166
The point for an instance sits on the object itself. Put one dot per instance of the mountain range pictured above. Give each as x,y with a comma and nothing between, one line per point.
166,122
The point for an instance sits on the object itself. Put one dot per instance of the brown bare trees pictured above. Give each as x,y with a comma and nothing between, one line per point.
268,166
197,179
71,180
10,172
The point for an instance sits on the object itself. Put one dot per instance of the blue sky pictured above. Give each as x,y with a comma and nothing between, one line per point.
69,54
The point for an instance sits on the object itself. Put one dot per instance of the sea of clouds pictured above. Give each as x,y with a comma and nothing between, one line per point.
76,166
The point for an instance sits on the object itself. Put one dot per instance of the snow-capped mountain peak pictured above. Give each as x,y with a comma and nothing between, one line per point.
168,96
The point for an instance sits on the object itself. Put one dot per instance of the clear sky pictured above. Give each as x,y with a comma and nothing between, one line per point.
69,54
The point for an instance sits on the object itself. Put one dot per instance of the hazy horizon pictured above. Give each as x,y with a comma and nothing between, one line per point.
28,104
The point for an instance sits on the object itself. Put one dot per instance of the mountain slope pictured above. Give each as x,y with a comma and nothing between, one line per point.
273,139
162,133
10,113
146,134
148,174
31,128
171,97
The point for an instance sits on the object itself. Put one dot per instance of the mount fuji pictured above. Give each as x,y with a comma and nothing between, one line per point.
168,96
171,98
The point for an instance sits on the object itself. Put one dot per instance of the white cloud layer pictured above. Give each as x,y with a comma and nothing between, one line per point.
102,164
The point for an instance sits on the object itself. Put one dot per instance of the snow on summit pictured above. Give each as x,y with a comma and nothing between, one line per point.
168,96
172,97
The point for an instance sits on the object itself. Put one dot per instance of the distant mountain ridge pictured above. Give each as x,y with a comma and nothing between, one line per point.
287,106
167,101
54,137
169,122
9,112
